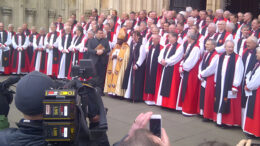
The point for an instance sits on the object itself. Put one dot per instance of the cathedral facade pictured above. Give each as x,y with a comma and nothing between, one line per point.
41,13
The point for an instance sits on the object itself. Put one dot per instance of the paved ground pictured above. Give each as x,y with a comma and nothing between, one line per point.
182,131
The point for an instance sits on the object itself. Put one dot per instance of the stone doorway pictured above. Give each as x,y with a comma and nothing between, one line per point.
180,5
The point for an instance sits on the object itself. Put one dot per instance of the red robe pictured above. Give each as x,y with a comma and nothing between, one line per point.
252,125
153,97
170,102
43,60
209,94
24,57
234,115
190,100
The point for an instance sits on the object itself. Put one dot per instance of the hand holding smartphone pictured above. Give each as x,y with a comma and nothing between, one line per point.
156,125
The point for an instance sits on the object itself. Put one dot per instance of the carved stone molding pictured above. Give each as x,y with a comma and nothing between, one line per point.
31,12
6,11
51,13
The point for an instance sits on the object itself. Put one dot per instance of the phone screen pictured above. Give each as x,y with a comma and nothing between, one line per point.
155,127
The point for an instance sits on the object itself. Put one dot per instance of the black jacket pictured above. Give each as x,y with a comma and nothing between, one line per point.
27,134
92,52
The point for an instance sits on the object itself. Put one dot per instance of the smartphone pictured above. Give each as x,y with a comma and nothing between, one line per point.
255,144
156,125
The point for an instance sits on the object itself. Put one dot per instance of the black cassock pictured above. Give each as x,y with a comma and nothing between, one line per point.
99,61
68,55
137,76
30,48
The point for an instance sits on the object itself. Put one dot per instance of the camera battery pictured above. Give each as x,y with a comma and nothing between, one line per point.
59,131
59,109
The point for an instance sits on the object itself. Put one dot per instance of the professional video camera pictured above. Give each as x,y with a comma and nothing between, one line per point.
6,98
67,107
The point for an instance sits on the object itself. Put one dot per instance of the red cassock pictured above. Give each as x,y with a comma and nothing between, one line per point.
171,101
55,55
209,93
252,125
42,57
230,109
189,93
20,55
76,56
152,83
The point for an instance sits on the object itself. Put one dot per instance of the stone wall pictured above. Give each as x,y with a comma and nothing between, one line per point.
42,12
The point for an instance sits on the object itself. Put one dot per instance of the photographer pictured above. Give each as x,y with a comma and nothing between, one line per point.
140,135
29,95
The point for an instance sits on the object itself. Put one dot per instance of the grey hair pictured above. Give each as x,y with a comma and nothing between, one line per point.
212,41
10,25
253,38
220,11
213,25
191,19
42,29
229,41
188,9
231,25
192,35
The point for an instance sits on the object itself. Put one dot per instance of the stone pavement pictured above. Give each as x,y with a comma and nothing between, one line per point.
182,131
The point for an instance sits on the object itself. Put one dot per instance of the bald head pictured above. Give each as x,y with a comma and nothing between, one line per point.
251,42
155,39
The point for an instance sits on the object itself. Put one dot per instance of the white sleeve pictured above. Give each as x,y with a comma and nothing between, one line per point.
254,83
142,56
221,49
210,70
239,72
129,40
216,73
176,57
26,43
160,57
192,59
237,37
14,43
201,44
56,43
72,44
80,46
9,40
199,72
35,43
147,43
46,41
60,45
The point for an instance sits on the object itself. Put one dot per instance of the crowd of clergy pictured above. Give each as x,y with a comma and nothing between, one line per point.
198,62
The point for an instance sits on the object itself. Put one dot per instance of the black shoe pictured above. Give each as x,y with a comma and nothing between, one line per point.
223,126
206,120
249,136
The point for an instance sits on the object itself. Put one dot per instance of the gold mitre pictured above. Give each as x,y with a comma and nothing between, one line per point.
121,34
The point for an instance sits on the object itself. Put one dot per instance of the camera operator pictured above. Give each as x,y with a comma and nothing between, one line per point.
30,91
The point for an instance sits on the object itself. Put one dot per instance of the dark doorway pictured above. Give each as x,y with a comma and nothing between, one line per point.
243,6
180,5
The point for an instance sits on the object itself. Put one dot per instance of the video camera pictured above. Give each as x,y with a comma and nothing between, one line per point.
67,107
